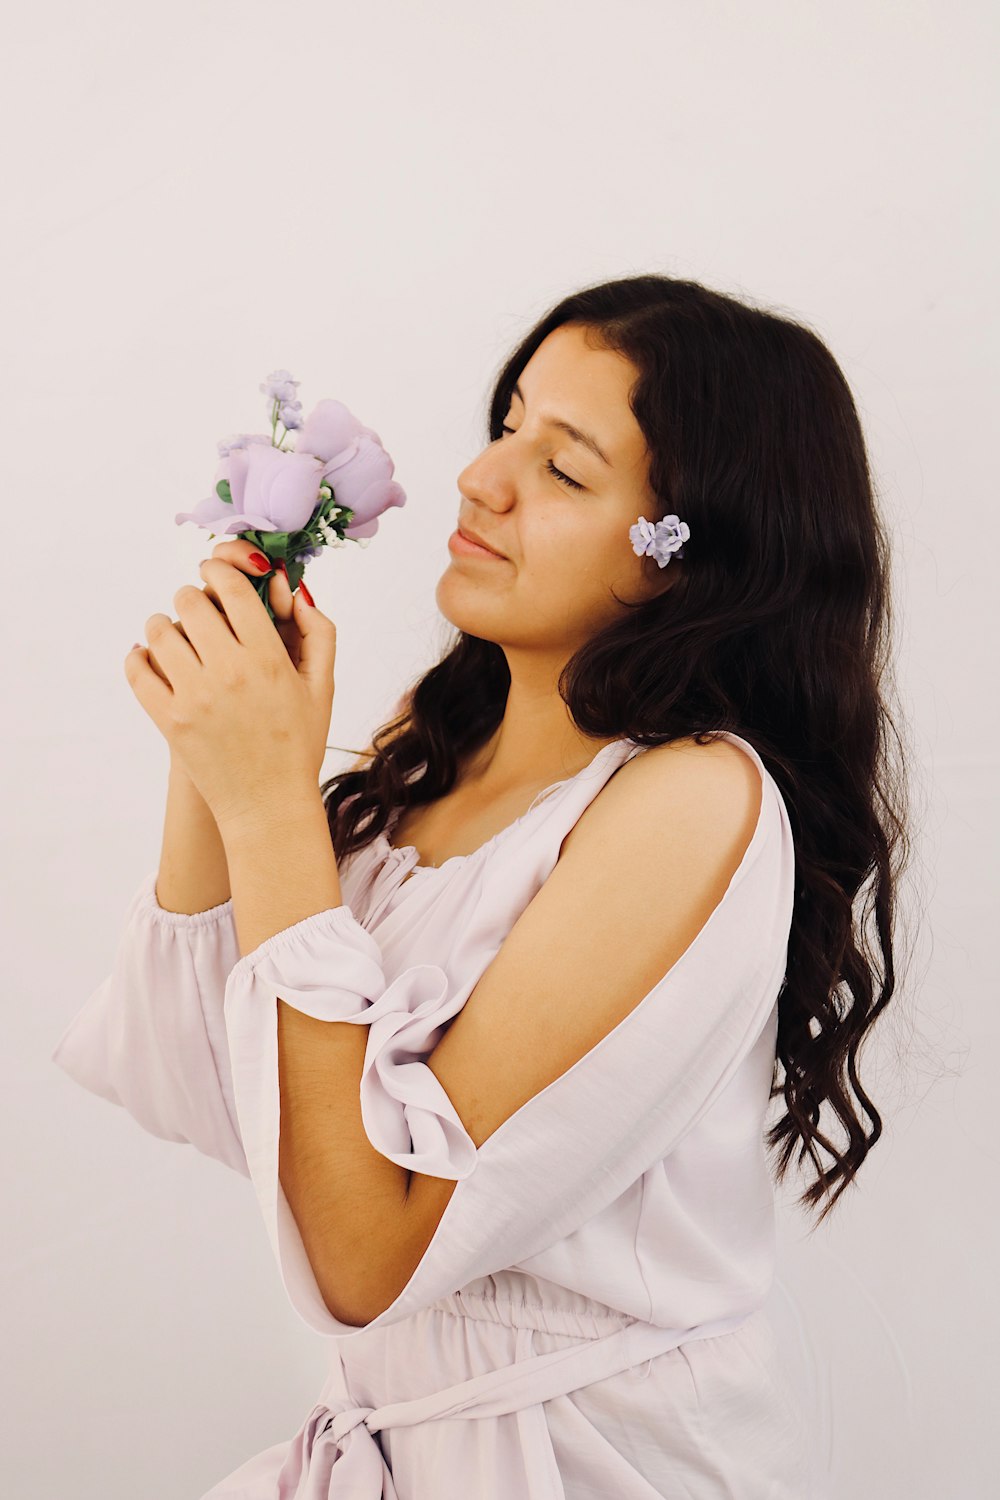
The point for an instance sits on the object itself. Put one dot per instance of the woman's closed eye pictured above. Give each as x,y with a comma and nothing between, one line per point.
556,473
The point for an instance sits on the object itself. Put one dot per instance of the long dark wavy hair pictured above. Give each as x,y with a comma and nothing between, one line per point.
778,628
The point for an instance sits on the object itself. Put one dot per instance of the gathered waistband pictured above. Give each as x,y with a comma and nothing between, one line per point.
344,1436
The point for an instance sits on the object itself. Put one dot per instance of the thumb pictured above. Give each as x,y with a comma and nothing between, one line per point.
318,649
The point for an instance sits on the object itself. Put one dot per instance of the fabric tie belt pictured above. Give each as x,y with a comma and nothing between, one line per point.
333,1456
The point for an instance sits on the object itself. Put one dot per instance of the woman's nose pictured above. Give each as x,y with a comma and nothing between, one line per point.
487,477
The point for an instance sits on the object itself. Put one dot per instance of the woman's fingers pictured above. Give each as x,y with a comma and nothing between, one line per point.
151,657
242,554
239,552
156,666
281,595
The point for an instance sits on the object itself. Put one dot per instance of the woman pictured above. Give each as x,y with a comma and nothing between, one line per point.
590,905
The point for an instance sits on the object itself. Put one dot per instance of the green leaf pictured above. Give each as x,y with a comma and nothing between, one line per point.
224,492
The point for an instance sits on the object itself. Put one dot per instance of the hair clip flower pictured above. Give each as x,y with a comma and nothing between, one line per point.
292,502
661,541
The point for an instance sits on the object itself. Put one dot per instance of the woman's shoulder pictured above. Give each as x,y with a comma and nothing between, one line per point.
690,812
721,780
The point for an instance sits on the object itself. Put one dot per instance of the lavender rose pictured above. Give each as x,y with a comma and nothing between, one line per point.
330,488
278,489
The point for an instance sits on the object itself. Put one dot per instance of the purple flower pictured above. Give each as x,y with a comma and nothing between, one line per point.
240,440
272,490
354,462
278,489
661,540
279,386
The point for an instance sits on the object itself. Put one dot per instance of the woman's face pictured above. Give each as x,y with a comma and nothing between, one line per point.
566,547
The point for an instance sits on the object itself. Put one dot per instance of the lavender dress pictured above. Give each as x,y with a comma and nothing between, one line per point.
587,1319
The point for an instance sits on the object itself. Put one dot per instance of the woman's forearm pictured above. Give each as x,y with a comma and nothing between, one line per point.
193,874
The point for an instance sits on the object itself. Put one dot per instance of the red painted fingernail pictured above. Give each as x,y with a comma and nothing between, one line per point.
306,594
281,565
260,561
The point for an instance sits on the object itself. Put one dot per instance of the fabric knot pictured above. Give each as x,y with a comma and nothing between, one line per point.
334,1452
343,1422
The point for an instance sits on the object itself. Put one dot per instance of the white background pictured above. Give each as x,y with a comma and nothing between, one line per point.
383,199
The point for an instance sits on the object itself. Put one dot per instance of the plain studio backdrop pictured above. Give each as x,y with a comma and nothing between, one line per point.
382,199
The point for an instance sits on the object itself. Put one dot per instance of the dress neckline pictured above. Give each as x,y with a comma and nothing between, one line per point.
409,854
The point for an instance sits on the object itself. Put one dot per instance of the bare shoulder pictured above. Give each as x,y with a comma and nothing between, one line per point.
700,802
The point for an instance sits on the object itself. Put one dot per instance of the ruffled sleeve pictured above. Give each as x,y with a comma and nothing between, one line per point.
330,967
152,1036
568,1152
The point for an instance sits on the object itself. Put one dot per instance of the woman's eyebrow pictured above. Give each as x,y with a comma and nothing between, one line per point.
571,431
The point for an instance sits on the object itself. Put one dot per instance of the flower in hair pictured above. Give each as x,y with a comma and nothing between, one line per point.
661,541
292,502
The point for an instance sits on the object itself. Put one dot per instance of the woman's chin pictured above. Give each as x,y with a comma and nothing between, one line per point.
463,601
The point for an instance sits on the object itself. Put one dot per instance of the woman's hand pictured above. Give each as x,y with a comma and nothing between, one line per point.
243,703
239,552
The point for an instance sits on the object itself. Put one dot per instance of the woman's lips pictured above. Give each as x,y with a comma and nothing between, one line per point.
460,544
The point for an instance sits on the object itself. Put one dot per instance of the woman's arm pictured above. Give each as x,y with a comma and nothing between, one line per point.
193,874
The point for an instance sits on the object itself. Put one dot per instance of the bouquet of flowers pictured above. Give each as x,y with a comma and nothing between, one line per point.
291,502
